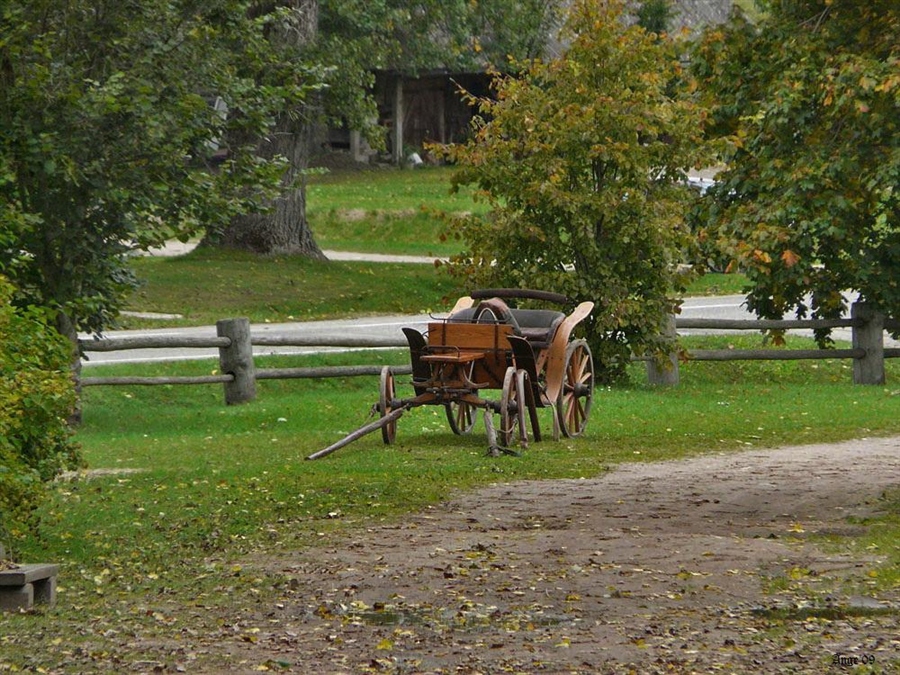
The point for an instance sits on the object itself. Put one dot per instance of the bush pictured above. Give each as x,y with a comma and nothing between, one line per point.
36,397
583,161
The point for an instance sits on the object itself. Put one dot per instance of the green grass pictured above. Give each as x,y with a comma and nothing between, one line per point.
381,190
239,470
386,210
207,285
719,284
196,489
397,233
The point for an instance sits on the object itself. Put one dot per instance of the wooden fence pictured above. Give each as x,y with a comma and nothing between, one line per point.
867,343
239,373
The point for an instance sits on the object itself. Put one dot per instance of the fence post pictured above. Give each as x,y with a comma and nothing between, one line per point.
237,360
869,336
665,374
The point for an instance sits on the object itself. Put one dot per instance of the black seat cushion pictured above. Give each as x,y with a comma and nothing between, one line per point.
538,326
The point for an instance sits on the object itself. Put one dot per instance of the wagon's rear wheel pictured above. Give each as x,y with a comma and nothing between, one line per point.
461,417
512,406
385,404
574,403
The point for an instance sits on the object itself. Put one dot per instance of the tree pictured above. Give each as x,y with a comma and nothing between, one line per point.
809,101
282,227
455,35
107,125
654,15
350,39
582,160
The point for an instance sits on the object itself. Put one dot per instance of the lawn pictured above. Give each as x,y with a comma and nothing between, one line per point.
368,211
239,471
291,288
185,491
226,284
387,210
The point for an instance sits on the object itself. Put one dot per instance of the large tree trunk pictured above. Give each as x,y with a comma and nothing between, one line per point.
284,228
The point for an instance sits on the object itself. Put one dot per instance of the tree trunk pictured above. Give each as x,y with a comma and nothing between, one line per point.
284,227
67,329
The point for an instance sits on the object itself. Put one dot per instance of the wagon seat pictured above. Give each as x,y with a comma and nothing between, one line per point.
538,326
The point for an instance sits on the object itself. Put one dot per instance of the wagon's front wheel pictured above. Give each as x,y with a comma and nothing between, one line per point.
574,402
385,404
512,407
460,417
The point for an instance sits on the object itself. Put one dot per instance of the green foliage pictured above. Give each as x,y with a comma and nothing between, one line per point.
36,396
436,34
653,15
809,100
107,125
358,37
583,160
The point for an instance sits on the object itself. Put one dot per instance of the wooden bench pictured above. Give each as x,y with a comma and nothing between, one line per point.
24,585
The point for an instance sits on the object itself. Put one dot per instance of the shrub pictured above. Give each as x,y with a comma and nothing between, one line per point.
583,160
36,396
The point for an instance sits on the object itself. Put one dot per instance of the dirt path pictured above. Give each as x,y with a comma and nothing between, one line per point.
699,565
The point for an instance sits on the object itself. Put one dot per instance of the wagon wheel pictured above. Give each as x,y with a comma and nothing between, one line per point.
512,407
385,402
574,402
461,417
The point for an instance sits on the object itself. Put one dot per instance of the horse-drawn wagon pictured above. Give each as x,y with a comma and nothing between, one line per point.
484,345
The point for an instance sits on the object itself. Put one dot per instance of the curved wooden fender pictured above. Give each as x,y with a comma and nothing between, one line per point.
556,357
463,303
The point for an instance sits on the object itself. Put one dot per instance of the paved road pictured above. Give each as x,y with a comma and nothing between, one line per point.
385,327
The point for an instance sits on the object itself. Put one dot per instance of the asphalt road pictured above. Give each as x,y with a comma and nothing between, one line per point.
384,327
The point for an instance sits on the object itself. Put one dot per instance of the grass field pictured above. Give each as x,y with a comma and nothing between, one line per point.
386,211
186,490
230,283
368,211
238,470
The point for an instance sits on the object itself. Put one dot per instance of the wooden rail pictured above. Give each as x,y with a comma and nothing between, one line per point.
868,351
239,374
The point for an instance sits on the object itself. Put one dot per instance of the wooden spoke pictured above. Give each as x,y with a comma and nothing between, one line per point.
512,408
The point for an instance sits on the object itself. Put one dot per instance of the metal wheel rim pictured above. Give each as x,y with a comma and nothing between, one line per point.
385,400
574,404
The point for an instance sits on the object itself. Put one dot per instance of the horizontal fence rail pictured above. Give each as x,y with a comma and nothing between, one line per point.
157,342
239,374
764,324
773,355
174,379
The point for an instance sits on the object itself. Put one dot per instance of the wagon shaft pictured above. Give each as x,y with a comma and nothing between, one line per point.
390,418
